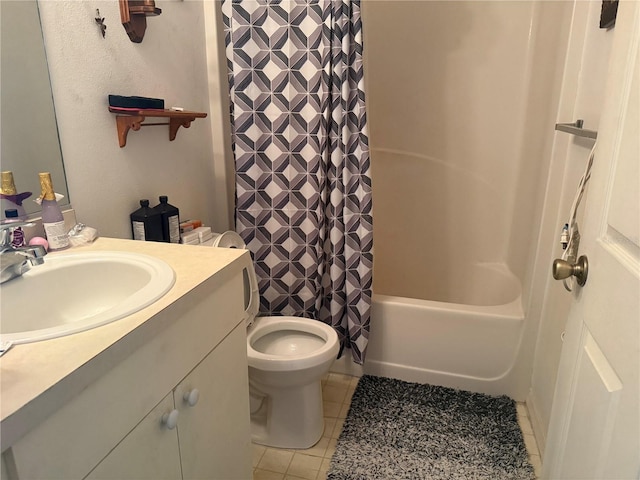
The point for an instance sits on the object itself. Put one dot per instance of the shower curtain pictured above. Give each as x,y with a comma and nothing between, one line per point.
303,186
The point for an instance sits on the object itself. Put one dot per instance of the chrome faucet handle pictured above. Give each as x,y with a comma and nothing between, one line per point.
14,262
35,254
7,227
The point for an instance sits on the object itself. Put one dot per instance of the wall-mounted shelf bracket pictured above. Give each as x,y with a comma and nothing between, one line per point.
124,123
133,14
575,128
133,121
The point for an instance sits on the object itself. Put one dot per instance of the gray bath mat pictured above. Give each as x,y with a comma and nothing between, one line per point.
400,430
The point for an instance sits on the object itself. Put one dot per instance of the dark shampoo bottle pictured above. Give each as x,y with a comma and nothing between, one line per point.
146,223
170,216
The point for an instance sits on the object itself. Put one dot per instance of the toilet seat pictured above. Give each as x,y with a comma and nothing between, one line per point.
318,341
288,343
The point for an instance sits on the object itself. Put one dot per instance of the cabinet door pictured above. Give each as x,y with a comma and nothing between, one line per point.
214,433
148,452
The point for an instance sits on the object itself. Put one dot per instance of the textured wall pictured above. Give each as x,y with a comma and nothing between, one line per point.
106,181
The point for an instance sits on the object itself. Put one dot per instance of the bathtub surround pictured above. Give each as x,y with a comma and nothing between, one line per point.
303,187
459,156
402,430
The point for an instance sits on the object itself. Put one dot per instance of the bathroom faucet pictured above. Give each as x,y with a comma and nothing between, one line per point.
14,261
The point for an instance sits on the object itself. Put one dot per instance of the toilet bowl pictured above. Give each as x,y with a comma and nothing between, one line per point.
287,358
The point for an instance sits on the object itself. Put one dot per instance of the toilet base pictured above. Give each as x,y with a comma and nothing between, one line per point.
287,417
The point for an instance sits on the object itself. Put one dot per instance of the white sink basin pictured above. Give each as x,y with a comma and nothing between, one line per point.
73,292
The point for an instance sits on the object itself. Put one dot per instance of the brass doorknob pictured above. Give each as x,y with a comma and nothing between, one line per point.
562,269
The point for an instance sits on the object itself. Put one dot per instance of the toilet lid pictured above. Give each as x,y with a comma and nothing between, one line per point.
231,239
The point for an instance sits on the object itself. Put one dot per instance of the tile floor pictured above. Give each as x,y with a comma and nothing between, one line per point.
313,463
529,439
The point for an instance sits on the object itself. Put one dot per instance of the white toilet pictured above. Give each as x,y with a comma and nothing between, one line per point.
287,358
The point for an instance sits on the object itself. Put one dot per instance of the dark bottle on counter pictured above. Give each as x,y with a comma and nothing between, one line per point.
146,223
170,220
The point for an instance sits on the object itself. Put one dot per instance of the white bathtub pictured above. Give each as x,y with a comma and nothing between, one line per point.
472,345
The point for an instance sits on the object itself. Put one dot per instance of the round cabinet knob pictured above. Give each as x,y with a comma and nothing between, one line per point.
192,397
170,419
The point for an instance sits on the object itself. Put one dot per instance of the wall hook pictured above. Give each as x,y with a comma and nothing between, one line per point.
100,22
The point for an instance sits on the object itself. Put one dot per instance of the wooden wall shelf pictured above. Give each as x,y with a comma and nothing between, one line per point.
132,119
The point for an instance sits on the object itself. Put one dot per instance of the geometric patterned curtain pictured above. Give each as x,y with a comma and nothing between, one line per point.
303,184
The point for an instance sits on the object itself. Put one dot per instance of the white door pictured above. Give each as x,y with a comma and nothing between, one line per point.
594,431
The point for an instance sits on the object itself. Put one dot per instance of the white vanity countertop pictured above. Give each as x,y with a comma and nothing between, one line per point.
31,374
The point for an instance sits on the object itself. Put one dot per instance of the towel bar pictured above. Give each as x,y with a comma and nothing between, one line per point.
576,129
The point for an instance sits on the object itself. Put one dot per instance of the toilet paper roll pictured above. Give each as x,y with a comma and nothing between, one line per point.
228,239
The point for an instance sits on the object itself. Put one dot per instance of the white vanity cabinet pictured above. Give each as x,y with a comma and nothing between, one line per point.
189,359
149,452
193,433
213,429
